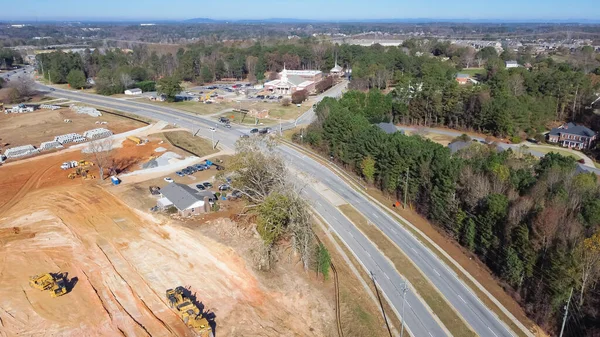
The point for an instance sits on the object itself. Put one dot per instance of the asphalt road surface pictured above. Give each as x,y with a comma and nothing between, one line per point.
420,321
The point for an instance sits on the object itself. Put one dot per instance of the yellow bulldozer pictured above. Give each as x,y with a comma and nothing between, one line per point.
54,284
188,311
83,172
85,163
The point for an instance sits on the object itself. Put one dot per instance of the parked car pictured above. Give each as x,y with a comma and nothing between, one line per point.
199,167
207,184
179,173
200,187
223,187
236,194
219,167
223,119
191,169
245,135
168,179
255,130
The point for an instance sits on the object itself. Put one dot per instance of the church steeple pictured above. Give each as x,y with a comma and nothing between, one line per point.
284,77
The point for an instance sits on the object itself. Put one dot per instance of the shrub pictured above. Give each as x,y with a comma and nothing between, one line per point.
515,139
286,102
299,96
146,85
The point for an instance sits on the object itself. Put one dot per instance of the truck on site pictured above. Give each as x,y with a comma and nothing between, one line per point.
55,284
136,140
189,312
69,164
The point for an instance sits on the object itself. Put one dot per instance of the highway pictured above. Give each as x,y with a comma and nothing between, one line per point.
420,321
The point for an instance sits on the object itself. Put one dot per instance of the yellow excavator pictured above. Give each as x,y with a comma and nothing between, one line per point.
207,96
188,311
54,284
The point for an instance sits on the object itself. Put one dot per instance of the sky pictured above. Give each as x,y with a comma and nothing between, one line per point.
512,10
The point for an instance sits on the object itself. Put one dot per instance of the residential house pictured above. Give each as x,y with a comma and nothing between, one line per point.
511,64
186,199
572,136
462,78
389,128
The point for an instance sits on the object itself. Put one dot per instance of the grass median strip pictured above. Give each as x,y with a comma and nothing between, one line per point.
424,288
490,284
186,141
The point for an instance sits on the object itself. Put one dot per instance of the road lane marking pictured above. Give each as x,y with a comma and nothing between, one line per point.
438,274
492,331
462,298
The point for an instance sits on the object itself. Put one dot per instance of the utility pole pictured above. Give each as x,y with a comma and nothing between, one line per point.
562,329
212,137
406,188
404,290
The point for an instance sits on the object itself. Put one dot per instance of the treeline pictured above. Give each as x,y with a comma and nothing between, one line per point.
8,57
536,224
419,76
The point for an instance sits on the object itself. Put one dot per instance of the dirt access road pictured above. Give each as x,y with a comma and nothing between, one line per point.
120,261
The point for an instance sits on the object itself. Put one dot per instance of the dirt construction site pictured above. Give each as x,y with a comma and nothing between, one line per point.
119,261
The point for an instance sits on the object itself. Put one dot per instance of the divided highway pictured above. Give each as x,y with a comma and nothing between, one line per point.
420,321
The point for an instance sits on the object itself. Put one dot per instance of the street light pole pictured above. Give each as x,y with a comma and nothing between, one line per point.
562,329
404,289
212,137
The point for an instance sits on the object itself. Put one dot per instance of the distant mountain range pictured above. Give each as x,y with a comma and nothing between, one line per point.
406,20
296,21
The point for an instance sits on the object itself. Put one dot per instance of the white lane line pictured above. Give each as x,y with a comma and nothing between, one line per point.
386,275
410,306
430,334
375,215
438,274
492,331
462,298
413,248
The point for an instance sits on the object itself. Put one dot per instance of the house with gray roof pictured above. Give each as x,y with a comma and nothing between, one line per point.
186,199
389,128
572,135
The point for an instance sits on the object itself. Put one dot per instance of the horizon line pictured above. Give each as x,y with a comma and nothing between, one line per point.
300,20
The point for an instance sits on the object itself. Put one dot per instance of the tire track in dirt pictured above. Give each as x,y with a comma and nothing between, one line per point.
102,302
33,179
140,325
132,291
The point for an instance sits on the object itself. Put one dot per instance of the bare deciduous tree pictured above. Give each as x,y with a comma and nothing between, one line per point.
261,176
100,152
251,62
23,88
126,80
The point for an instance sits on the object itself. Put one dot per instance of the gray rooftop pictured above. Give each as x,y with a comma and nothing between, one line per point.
182,196
573,129
461,75
388,128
